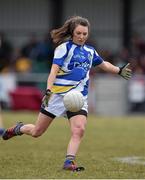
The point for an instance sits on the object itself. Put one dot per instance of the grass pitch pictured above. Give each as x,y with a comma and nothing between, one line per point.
106,139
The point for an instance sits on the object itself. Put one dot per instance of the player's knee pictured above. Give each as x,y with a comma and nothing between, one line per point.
78,131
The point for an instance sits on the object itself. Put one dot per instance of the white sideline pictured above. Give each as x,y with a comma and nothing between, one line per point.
131,160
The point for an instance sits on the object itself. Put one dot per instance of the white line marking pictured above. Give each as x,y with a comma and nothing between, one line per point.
131,160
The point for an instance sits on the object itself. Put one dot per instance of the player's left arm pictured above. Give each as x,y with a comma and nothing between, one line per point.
123,71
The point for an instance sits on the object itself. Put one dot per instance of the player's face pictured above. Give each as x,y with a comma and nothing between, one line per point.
80,34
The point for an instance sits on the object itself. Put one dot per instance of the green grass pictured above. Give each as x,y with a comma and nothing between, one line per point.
105,139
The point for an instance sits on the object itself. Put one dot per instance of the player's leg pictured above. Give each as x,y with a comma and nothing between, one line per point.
37,129
77,125
34,130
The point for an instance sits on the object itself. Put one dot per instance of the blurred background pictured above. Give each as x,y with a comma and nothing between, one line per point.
26,51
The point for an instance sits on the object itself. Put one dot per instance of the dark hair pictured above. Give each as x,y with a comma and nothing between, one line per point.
66,31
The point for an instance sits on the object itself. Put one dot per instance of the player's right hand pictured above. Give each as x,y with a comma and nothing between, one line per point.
46,97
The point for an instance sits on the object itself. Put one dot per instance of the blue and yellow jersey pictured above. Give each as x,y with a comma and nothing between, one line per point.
75,62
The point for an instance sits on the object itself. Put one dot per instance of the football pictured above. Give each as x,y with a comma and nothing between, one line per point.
73,100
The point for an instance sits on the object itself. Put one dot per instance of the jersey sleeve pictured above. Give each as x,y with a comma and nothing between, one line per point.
60,54
96,59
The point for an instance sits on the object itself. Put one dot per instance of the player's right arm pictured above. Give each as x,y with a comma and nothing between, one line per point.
58,60
59,56
52,76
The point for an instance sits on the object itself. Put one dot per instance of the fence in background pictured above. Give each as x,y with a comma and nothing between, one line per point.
109,95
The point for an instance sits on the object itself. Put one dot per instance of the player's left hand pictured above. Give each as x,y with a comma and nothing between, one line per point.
125,72
46,97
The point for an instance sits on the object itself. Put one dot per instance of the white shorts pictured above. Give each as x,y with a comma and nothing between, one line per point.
56,106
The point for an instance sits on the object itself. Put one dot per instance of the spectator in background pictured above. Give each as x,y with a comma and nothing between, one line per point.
26,56
137,44
106,54
43,54
136,92
138,51
5,53
142,62
47,48
28,50
40,53
122,57
23,64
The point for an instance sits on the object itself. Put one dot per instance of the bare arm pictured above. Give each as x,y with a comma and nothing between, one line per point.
52,75
108,67
123,71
